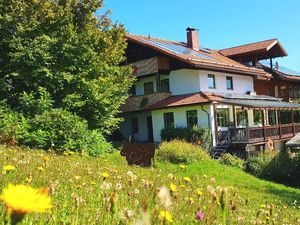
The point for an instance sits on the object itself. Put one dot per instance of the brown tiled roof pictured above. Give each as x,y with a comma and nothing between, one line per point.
181,100
282,75
262,46
204,59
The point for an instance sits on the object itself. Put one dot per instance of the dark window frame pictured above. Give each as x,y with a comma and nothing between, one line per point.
152,87
134,125
226,121
189,121
230,79
211,76
165,81
169,121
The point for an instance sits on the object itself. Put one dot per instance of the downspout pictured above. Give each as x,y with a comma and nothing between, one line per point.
207,113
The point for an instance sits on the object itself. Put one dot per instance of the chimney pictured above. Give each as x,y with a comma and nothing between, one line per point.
192,38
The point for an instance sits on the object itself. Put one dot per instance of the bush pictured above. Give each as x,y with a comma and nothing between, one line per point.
61,130
177,151
284,168
232,160
256,165
13,126
195,135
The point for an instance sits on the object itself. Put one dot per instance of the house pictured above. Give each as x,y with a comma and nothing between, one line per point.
180,84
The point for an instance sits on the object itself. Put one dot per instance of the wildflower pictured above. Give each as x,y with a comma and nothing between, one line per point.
76,198
166,216
136,191
210,189
219,188
118,186
129,174
144,219
93,183
22,199
46,159
173,187
9,168
181,166
40,168
187,179
171,176
191,200
105,175
106,185
213,180
199,215
164,197
126,214
199,192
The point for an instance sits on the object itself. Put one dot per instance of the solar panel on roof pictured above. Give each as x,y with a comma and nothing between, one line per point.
281,68
178,49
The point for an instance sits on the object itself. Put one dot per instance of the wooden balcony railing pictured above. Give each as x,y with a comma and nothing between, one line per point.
136,103
262,134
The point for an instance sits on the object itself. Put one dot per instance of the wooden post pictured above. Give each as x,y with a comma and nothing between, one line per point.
279,122
216,123
234,116
264,124
293,121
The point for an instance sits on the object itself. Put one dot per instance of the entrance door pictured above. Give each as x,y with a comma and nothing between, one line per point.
150,129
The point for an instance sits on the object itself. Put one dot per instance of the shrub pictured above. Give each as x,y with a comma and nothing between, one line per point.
232,160
256,165
61,130
177,151
195,135
13,126
284,168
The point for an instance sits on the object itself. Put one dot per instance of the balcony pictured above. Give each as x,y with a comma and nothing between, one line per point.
254,135
137,103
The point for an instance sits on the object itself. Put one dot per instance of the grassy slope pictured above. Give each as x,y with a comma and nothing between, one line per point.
83,176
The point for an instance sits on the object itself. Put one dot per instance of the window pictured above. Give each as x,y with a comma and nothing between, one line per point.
148,88
211,81
285,117
297,116
134,125
169,120
258,117
241,118
223,117
229,83
272,117
191,118
165,85
132,90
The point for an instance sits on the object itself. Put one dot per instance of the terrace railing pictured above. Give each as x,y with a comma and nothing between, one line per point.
262,134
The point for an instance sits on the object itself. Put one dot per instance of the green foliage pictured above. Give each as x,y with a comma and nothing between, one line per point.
58,54
177,151
256,165
195,135
61,130
232,160
13,126
284,168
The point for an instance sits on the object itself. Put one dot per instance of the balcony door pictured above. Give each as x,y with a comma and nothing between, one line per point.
150,128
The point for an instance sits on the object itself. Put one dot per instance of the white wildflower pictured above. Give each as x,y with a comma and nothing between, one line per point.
164,197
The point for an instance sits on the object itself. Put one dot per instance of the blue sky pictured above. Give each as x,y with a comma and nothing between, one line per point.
221,24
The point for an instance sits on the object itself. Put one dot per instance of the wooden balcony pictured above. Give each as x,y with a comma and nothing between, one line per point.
253,135
137,103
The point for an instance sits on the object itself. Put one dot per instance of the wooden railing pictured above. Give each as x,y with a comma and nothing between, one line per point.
135,103
261,134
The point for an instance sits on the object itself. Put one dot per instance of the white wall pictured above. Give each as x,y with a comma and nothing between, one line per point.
125,127
179,118
184,81
241,83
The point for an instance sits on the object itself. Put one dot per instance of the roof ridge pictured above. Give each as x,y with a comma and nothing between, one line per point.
257,42
155,38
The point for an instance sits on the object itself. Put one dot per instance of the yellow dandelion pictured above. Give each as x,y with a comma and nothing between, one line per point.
22,199
199,192
187,179
191,200
166,216
105,175
40,168
173,187
46,159
182,166
9,167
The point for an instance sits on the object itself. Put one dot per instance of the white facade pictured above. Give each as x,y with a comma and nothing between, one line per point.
186,81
